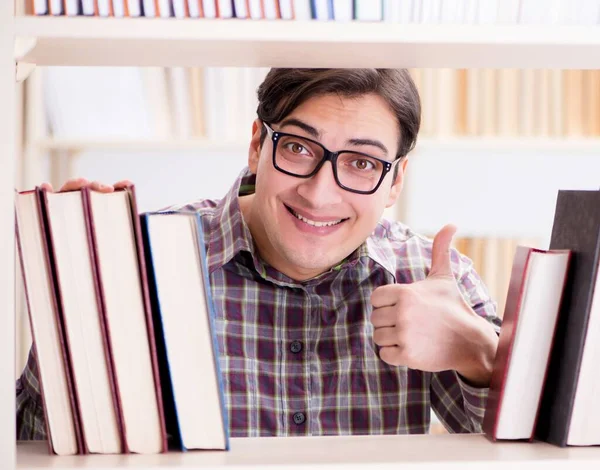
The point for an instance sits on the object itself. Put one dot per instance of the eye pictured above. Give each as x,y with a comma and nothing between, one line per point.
296,148
363,164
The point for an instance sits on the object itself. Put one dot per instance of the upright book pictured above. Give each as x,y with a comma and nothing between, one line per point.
535,290
570,410
186,341
119,269
49,342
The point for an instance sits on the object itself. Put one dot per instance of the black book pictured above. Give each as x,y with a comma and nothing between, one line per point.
569,411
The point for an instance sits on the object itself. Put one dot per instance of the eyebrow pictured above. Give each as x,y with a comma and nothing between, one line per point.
317,135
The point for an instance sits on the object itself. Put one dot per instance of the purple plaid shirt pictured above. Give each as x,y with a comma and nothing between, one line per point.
298,358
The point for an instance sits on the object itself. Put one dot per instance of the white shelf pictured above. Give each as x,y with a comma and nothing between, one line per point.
446,451
425,146
196,42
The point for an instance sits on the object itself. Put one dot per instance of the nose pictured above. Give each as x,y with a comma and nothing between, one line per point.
321,190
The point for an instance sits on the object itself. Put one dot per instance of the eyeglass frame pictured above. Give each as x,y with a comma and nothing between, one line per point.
328,156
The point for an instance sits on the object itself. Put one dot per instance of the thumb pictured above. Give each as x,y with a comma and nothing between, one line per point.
440,252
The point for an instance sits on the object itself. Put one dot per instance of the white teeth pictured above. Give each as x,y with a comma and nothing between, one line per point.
316,224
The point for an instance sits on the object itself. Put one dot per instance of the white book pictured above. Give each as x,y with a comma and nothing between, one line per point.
134,7
71,7
302,10
56,7
210,8
45,325
270,9
405,13
321,10
150,8
369,10
40,7
225,9
126,314
119,8
449,12
164,8
241,9
185,316
343,10
87,7
179,8
287,10
83,324
255,9
508,11
488,12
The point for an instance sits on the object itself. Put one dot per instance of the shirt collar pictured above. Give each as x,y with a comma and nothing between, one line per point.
230,235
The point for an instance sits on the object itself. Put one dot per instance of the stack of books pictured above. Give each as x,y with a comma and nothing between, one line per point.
122,323
545,381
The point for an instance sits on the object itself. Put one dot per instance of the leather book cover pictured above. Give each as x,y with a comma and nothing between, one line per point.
137,230
576,227
514,298
57,305
114,385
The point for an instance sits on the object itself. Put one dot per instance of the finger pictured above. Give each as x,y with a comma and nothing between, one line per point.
384,316
46,187
103,188
386,336
440,252
74,184
123,184
392,355
386,295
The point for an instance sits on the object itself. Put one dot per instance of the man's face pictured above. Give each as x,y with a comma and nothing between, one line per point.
287,213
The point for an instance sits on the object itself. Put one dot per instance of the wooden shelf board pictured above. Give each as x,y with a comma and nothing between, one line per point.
88,41
446,451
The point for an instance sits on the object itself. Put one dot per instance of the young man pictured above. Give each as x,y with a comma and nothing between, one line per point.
330,320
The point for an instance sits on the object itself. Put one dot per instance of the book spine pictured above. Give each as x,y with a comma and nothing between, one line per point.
54,279
105,329
148,310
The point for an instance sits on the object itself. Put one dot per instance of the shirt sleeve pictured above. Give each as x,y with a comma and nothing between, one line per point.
460,406
31,422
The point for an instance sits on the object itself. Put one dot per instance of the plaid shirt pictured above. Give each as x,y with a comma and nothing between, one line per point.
298,358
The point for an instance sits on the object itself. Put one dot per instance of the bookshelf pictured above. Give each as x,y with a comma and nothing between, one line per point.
169,42
260,43
414,452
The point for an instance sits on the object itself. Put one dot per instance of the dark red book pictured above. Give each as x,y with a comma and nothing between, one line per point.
533,300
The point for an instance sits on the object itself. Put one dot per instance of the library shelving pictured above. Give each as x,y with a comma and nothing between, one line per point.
46,41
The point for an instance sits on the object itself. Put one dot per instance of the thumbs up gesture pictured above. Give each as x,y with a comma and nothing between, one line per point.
428,325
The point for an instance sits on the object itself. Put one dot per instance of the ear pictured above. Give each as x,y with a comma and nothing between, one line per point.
254,148
396,188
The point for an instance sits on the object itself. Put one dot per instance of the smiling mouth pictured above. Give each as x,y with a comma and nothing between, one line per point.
313,222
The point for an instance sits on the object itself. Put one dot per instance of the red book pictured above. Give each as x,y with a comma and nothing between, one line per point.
533,301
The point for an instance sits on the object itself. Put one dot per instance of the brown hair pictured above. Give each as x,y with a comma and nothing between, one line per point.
285,89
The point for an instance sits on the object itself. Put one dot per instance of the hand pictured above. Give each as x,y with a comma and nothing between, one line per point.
77,183
428,325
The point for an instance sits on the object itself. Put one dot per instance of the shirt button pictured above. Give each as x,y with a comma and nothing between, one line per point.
299,418
296,346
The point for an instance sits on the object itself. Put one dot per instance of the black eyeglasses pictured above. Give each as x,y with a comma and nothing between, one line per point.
301,157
